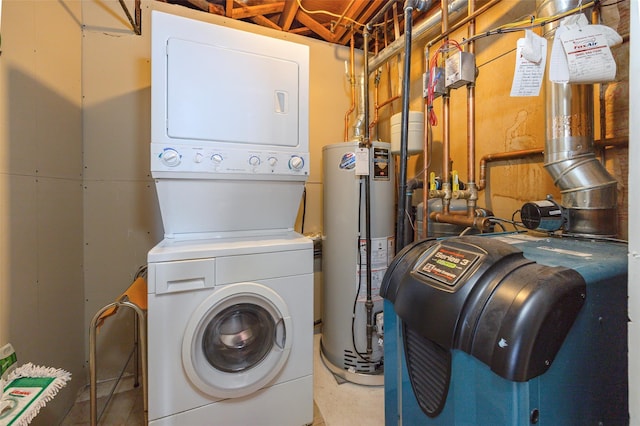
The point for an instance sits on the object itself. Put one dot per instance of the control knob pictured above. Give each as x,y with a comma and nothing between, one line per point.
296,162
170,157
254,160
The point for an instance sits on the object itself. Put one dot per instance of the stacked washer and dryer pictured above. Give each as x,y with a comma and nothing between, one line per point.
230,288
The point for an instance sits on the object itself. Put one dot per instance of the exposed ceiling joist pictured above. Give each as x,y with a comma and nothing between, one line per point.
333,21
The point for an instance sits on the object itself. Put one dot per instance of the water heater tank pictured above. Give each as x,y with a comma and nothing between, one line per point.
344,319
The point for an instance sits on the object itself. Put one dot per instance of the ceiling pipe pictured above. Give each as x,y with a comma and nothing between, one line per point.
457,9
380,14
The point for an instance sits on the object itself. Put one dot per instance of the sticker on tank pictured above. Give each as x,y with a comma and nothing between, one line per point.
348,161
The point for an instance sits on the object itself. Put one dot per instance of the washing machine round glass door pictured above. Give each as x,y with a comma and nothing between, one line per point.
236,340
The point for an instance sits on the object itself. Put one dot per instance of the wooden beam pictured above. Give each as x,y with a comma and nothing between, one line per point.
304,31
353,14
200,4
261,20
288,14
362,14
314,25
216,9
243,11
228,8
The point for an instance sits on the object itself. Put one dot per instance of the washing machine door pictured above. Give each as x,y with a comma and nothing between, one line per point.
236,340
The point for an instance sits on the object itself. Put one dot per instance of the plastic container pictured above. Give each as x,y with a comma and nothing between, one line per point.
415,142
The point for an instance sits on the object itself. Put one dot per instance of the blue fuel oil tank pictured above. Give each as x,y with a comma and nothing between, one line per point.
506,329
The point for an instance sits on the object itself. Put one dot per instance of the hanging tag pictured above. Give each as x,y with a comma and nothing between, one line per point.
581,53
534,47
531,58
558,67
588,56
362,162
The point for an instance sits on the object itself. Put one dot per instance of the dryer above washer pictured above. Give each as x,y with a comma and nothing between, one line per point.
229,128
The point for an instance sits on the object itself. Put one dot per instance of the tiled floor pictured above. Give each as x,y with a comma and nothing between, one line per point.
335,404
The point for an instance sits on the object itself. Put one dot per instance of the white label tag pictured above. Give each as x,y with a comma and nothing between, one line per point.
362,162
581,54
528,75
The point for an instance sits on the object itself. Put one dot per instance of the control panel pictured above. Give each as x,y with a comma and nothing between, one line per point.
193,158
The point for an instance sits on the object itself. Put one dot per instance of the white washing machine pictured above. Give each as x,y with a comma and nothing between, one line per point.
230,331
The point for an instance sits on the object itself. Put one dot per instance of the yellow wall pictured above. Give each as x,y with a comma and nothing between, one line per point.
505,123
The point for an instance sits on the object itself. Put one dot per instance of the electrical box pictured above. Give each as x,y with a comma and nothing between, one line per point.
460,70
435,79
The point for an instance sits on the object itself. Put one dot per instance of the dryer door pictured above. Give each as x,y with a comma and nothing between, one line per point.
236,340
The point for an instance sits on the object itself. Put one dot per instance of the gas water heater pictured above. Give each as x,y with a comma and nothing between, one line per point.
351,344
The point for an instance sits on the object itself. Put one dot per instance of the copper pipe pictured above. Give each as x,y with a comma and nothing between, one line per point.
426,158
352,80
342,16
445,124
612,142
375,105
526,153
388,101
471,121
480,222
459,24
503,156
376,93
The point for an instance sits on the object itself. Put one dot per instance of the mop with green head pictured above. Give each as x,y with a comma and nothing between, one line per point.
26,389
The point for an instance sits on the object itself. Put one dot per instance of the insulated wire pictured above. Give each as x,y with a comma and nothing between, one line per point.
304,208
355,300
528,24
335,15
326,12
433,62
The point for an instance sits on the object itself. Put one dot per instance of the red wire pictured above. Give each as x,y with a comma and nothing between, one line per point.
433,119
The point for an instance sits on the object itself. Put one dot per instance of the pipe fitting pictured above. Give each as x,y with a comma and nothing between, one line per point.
480,223
419,5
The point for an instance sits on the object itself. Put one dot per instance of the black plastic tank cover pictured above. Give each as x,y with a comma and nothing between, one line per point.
482,296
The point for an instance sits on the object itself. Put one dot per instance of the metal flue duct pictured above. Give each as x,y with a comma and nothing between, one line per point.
588,191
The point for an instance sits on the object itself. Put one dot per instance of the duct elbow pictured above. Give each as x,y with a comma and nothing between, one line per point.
589,193
584,182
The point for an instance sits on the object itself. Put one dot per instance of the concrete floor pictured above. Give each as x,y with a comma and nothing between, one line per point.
336,403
